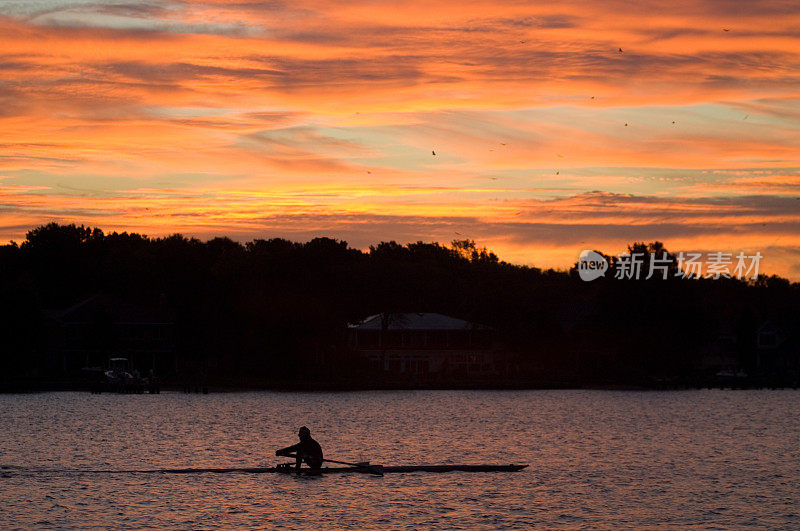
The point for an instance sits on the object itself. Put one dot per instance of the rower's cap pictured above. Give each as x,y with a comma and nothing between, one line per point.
305,430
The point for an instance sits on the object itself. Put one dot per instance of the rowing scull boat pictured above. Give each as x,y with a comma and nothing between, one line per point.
363,468
337,470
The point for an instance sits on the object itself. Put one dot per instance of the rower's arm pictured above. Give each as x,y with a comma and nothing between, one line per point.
288,450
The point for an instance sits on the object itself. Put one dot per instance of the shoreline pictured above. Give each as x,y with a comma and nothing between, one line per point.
305,387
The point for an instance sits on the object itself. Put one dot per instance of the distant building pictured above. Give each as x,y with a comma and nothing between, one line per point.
770,337
90,332
778,351
425,344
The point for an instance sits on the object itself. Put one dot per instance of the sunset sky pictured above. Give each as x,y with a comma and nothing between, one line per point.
556,126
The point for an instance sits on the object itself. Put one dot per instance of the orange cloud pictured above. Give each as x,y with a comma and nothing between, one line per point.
536,128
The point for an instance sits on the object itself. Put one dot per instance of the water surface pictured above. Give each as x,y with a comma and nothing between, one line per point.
598,459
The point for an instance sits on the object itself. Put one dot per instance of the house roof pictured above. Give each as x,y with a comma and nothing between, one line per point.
114,308
417,321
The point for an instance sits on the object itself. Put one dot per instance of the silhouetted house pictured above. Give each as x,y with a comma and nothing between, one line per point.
770,337
777,350
425,344
103,326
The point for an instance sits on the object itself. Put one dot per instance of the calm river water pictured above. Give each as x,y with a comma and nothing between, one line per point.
599,459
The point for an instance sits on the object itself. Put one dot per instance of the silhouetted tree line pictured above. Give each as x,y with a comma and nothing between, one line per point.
275,310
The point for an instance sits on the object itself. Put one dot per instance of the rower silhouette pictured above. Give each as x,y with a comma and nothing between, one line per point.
307,450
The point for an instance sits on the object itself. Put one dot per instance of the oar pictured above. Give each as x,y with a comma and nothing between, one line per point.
373,469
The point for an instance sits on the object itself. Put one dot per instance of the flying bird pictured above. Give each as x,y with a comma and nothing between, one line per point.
433,153
620,50
725,29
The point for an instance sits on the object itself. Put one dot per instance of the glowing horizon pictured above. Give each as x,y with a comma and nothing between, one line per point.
556,127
